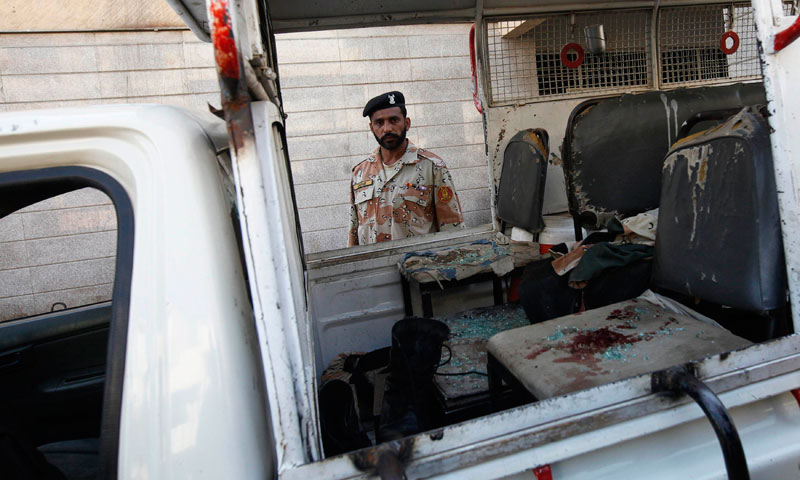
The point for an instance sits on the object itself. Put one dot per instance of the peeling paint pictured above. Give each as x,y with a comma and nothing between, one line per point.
666,108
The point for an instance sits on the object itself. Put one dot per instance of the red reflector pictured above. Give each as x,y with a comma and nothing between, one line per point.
796,393
543,472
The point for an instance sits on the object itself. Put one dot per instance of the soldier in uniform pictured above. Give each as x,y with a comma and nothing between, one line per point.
400,190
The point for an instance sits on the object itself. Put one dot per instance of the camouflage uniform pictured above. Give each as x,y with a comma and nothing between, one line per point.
414,196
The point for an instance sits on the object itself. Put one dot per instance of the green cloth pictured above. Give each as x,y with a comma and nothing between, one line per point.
605,255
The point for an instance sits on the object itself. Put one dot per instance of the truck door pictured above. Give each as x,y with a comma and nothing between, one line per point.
251,106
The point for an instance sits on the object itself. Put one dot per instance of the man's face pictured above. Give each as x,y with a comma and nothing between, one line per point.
389,127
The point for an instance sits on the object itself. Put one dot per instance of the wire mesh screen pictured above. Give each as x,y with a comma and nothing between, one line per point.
692,39
525,62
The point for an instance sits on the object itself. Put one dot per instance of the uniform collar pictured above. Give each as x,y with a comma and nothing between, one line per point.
408,158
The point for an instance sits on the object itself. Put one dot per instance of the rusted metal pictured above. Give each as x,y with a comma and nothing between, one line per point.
388,459
233,88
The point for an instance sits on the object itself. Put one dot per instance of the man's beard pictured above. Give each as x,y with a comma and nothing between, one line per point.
391,141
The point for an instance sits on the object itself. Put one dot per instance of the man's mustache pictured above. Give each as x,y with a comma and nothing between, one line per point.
389,135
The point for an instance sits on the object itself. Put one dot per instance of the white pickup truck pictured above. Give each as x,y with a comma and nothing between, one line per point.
207,361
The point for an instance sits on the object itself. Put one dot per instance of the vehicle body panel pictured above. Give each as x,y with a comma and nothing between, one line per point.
192,349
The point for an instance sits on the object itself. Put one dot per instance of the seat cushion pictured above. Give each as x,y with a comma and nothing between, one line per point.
604,345
77,459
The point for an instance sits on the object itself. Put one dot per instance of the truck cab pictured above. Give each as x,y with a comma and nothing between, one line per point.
209,359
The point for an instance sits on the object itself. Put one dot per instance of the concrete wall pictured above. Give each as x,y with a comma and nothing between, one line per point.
82,15
57,254
61,251
46,70
327,77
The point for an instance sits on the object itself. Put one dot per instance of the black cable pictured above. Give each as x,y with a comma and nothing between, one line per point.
450,357
471,372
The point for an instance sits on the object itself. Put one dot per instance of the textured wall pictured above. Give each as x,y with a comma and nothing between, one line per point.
67,69
81,15
327,77
62,250
57,251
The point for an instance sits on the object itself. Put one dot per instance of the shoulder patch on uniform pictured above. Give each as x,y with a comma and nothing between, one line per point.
444,194
436,159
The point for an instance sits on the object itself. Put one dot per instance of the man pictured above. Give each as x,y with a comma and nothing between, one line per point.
399,190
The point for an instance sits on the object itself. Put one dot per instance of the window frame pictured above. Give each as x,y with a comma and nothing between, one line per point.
57,180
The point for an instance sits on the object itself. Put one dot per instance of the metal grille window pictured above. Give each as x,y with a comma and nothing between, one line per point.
691,50
524,56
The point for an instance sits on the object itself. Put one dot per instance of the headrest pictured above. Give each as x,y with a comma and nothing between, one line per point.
614,148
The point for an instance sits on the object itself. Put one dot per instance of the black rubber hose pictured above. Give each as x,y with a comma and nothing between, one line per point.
679,380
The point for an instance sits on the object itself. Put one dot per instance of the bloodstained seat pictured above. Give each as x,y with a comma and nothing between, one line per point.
719,239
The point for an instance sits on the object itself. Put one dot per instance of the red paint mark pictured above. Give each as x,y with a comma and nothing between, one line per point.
543,472
796,393
222,37
784,38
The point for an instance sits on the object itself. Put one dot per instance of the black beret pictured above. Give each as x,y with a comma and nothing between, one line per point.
384,100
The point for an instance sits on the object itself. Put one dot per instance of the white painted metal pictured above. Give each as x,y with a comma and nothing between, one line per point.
566,428
355,313
277,288
193,404
781,80
770,430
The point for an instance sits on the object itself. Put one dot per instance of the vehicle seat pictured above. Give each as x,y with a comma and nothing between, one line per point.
520,195
719,224
614,148
76,459
718,206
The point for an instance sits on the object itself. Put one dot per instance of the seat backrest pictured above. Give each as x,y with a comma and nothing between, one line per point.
719,234
614,148
520,196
